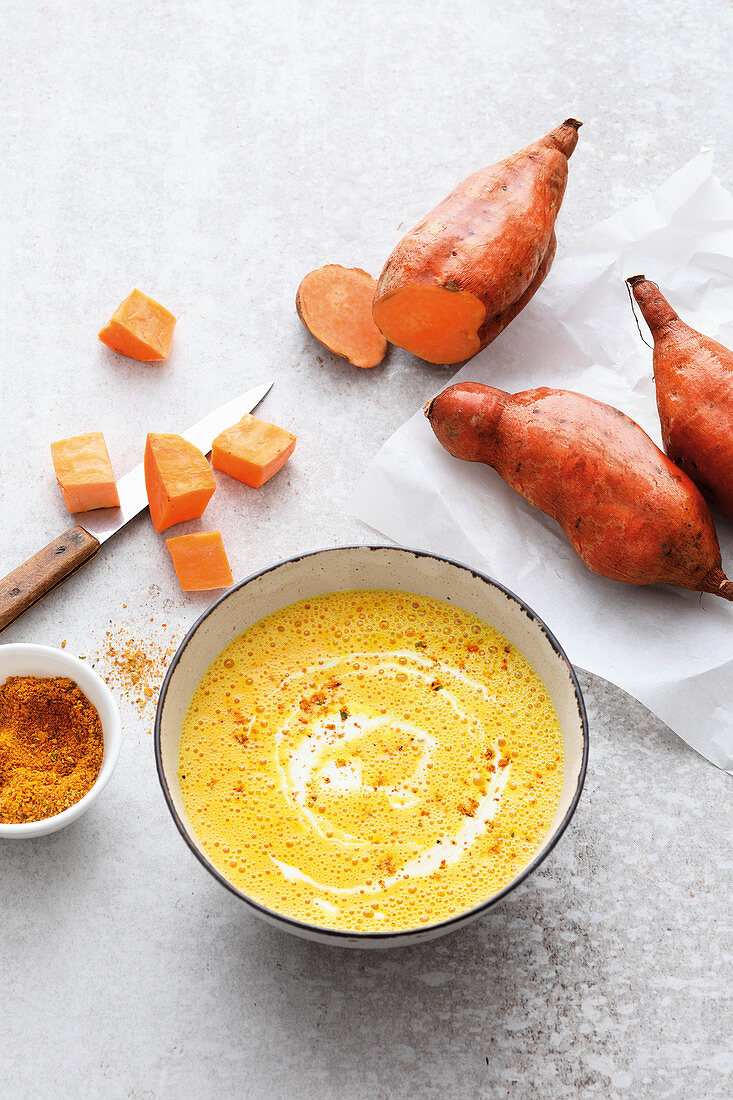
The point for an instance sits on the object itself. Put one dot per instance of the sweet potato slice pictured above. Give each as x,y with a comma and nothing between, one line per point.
178,480
140,328
84,472
252,450
335,305
200,561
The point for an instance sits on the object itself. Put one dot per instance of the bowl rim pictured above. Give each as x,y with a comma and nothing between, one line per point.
346,936
111,740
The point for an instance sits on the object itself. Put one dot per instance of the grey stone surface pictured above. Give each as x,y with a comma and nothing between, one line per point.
212,153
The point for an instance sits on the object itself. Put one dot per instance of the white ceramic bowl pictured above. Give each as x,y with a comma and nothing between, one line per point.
369,567
26,659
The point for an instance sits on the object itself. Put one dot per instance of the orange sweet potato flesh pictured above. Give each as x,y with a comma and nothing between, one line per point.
200,561
693,375
252,450
457,279
140,328
84,472
178,479
629,513
335,305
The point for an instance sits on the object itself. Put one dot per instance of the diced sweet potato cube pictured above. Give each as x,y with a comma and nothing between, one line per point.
252,450
140,328
178,480
84,472
200,561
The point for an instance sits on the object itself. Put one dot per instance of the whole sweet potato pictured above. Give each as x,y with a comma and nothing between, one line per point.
693,375
467,269
629,513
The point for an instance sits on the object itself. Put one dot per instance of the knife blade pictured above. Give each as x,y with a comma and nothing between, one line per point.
36,577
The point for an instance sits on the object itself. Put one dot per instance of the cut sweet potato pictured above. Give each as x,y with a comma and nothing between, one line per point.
335,305
84,472
140,328
456,280
252,450
200,561
178,480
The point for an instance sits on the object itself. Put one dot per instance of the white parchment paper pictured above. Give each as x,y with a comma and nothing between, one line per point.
671,649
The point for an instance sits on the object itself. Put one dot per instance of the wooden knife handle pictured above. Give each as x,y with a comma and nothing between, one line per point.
35,578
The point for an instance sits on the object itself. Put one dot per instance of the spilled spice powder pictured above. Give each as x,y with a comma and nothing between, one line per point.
135,665
51,747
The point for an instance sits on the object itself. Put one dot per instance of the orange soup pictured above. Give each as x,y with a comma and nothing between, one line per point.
370,761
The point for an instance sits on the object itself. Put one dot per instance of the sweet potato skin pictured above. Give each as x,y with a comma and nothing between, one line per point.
628,512
693,375
492,236
495,325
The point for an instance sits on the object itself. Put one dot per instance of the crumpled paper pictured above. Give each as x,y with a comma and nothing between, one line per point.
670,648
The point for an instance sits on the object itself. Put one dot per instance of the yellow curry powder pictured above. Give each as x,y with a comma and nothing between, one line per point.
51,747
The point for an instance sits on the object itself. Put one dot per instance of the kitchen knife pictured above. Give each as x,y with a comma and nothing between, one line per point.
33,580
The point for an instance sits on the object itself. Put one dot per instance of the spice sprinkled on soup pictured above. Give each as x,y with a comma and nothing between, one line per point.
370,761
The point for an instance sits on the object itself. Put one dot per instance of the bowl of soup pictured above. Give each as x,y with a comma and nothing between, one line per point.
370,746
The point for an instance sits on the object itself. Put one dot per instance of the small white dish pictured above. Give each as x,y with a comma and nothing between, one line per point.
27,659
355,567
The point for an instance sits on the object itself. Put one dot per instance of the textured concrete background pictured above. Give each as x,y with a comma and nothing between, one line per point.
212,153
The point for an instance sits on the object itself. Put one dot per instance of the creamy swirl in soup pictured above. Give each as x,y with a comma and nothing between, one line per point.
370,761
